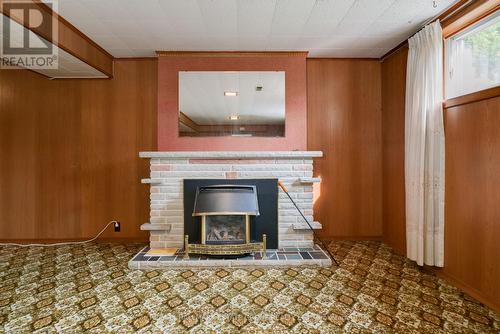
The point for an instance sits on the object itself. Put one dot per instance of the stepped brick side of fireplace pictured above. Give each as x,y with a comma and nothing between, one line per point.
166,185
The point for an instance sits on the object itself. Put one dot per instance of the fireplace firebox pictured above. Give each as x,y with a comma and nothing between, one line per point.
225,214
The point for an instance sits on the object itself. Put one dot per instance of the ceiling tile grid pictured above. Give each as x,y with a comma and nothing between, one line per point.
325,28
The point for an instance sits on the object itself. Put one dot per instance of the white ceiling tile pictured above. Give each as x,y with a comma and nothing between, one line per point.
255,17
252,43
325,16
181,10
368,10
335,42
91,26
393,12
220,17
290,16
361,15
110,41
143,53
337,28
389,29
142,9
282,43
379,52
121,52
75,9
107,9
376,42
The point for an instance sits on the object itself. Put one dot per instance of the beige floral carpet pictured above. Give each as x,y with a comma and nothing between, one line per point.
75,289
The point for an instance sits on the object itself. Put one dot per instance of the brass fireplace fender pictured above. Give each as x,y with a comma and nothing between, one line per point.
231,249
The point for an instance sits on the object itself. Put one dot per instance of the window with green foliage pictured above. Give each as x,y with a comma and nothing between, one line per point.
473,58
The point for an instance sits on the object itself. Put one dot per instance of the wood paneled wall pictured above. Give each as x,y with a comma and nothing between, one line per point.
69,153
393,150
472,185
472,198
344,121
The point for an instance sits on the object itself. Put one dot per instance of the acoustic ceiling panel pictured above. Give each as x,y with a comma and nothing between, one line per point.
325,28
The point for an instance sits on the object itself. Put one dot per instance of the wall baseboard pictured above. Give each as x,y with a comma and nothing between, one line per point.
463,286
50,241
351,238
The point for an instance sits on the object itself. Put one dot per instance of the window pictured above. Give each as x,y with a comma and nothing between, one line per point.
473,58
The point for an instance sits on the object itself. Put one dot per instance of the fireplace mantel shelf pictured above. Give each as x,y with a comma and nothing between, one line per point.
232,155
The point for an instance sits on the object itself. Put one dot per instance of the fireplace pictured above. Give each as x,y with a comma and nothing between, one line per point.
174,180
226,219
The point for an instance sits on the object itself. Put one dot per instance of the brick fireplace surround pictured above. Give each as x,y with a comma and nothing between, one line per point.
168,169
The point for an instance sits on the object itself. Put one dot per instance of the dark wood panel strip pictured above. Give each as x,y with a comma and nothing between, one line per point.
472,97
231,53
95,56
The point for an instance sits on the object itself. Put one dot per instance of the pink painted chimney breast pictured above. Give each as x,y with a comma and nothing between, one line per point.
294,66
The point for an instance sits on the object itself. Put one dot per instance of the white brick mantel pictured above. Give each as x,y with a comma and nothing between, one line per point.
233,155
168,170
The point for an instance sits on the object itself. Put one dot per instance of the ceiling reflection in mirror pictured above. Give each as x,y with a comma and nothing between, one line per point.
232,103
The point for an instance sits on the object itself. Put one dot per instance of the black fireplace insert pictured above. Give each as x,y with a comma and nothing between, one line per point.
228,211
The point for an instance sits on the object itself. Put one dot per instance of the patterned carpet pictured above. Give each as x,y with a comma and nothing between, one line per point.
75,289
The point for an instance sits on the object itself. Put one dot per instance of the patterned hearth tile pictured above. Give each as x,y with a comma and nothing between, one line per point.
89,288
274,257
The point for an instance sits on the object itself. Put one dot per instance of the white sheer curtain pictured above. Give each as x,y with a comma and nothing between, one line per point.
424,148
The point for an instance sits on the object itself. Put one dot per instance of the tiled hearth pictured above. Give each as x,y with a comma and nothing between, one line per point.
168,170
275,257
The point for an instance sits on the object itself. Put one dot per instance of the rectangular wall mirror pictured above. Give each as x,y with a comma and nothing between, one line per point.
232,103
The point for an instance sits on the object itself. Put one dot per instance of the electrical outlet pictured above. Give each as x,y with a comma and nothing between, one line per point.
117,226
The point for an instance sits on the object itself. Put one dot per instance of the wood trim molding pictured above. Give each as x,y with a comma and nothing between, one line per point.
98,240
71,40
394,50
352,238
231,53
439,272
187,121
85,37
453,9
472,97
467,15
136,58
343,58
37,73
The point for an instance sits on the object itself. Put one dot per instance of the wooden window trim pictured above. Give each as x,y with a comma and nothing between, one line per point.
472,97
460,20
468,15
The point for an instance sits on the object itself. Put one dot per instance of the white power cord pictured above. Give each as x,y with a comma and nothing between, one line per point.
62,243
